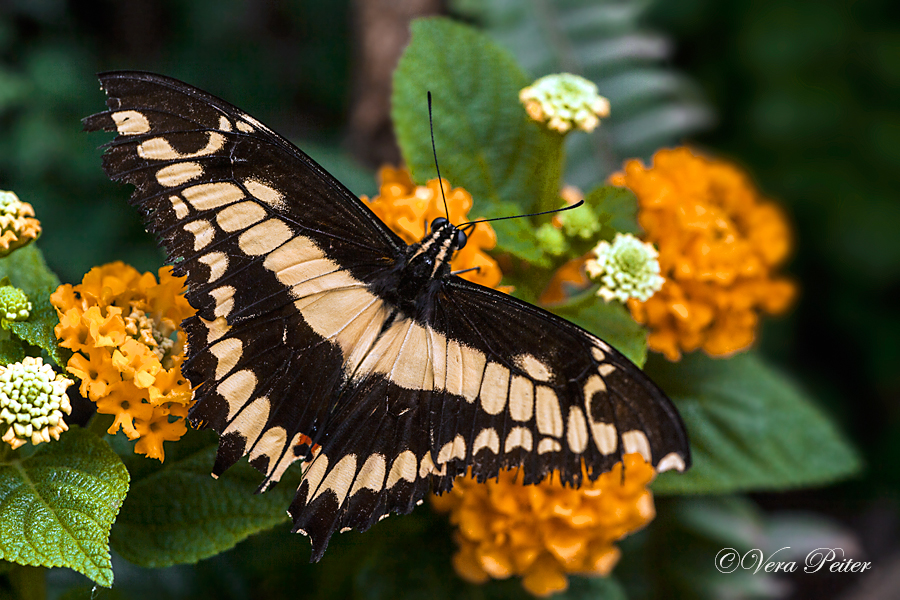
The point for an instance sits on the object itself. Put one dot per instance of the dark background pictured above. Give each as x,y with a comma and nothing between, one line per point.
806,98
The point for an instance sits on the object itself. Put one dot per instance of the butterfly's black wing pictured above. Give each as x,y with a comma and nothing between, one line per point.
258,228
485,382
297,334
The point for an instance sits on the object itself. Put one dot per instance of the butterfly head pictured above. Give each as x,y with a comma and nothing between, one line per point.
442,223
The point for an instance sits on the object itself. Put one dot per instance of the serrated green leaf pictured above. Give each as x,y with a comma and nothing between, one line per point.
485,141
57,506
750,428
179,514
27,270
609,321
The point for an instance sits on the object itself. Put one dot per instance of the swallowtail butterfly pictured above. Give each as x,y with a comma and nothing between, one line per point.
317,325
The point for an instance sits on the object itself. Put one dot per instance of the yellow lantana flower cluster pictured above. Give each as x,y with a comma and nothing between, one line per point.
124,328
542,532
409,209
719,246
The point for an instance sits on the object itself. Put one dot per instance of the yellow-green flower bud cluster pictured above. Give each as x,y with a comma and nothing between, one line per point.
33,402
564,101
18,226
627,268
14,304
581,222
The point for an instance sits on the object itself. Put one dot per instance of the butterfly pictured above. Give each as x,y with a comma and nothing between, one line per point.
322,337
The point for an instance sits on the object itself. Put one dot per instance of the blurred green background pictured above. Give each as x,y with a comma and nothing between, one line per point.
804,95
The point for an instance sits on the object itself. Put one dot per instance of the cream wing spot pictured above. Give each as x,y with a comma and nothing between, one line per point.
404,468
240,216
209,196
636,441
518,437
487,438
299,250
337,310
224,123
427,467
548,445
577,435
315,473
284,461
494,388
130,122
228,353
270,445
473,363
236,390
549,415
521,398
339,480
605,369
178,174
534,367
672,460
245,127
158,148
203,233
336,280
454,376
217,263
438,345
357,339
371,476
266,193
215,329
224,297
264,237
181,209
250,421
604,437
413,368
598,354
604,434
450,450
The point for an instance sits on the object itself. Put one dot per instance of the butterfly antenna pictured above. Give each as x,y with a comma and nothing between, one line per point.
472,224
434,151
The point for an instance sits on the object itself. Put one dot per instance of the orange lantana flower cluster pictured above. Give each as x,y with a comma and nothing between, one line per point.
542,532
719,245
124,328
409,209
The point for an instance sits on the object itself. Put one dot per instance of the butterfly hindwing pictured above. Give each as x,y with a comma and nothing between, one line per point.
311,342
488,382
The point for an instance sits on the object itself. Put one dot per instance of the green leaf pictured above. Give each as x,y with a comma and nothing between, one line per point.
11,351
610,321
27,270
617,203
179,514
57,506
592,588
750,427
485,141
652,106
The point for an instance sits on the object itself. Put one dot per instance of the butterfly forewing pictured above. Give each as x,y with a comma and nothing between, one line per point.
300,350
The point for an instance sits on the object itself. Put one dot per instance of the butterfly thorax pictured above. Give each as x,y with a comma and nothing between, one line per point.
418,275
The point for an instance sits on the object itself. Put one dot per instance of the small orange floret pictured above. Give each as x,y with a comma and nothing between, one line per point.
124,328
719,246
543,532
409,209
